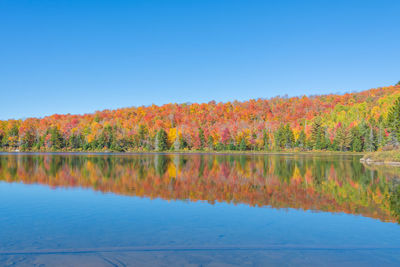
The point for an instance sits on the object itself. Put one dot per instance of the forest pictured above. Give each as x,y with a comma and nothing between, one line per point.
359,121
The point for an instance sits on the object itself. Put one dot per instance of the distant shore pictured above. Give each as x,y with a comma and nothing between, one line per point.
222,152
382,158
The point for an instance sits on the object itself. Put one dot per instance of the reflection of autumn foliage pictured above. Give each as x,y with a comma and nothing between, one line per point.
309,183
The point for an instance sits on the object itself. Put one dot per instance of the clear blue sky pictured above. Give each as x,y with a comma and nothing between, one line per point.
77,56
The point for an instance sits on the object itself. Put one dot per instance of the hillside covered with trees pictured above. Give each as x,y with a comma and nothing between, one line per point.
362,121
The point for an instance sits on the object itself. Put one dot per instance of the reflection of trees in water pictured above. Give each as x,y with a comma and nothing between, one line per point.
394,200
392,175
161,163
308,182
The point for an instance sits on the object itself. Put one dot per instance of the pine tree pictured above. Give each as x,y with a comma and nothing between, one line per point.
393,121
381,136
369,141
56,138
182,141
202,139
279,137
142,136
231,146
356,140
288,137
301,140
343,138
2,138
242,146
253,141
161,140
265,140
210,142
318,134
75,141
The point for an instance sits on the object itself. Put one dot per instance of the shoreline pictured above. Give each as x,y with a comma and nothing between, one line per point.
225,152
371,162
389,158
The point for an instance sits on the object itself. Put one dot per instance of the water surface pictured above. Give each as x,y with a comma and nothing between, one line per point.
197,209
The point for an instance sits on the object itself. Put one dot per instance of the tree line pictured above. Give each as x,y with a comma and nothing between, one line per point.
364,121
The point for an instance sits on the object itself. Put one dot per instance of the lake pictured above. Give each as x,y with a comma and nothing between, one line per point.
197,210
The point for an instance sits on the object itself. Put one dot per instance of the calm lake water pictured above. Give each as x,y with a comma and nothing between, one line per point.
197,210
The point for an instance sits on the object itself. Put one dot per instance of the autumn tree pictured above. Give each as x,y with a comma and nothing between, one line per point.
219,126
11,138
27,140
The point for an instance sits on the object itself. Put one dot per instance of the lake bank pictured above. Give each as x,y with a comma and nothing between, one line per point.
382,158
207,152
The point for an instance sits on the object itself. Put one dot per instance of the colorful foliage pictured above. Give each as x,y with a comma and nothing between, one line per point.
221,126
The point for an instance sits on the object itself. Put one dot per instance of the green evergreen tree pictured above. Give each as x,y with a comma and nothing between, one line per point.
56,139
220,146
75,141
333,146
1,139
265,140
369,141
242,146
279,137
143,136
301,140
161,140
253,141
342,138
231,145
318,134
210,142
356,140
393,122
381,136
202,139
288,137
